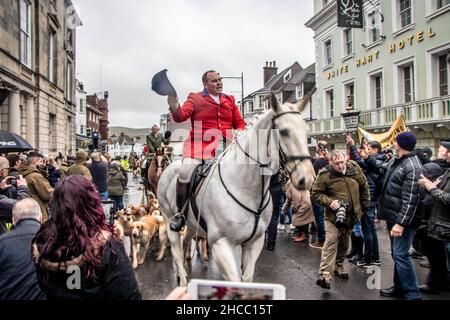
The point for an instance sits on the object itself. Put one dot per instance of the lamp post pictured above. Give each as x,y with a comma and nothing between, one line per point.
241,78
351,118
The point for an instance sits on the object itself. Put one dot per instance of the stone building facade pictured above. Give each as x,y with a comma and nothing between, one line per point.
37,72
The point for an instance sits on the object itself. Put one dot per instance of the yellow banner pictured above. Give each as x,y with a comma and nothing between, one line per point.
387,139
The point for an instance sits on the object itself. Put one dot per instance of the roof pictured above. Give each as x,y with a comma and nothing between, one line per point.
306,75
269,85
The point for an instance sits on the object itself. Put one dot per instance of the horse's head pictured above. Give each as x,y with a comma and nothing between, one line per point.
294,154
161,161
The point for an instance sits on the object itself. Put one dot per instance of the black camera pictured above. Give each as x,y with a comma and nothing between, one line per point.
13,182
341,215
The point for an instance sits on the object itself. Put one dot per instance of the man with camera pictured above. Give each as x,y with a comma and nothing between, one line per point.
11,190
342,189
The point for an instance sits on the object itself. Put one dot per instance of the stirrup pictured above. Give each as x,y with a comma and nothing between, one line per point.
177,222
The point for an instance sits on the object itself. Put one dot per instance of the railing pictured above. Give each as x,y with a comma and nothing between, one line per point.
436,110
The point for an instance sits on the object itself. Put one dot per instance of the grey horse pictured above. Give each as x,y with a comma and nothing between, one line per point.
234,199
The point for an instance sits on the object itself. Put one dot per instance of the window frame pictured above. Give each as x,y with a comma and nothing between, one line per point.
328,63
52,56
406,10
25,38
447,75
330,103
345,41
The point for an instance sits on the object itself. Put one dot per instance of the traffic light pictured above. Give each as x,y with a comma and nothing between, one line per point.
95,140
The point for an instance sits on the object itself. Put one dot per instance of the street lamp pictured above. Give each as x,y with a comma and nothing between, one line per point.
351,117
241,78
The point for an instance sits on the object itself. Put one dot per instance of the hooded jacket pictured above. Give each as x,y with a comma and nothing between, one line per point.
350,187
39,188
116,182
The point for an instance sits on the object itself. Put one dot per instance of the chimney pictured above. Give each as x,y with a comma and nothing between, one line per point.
270,70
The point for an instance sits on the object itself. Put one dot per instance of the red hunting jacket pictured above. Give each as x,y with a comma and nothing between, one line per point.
210,122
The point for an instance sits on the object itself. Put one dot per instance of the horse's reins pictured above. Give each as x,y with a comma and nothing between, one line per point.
284,161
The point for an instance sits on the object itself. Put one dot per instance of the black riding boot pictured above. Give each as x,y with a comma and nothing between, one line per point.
179,220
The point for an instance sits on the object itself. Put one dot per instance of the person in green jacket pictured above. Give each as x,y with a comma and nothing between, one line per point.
154,141
341,187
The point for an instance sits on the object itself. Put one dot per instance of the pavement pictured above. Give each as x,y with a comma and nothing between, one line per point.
293,265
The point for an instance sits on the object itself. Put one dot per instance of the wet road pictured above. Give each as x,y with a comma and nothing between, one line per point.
293,265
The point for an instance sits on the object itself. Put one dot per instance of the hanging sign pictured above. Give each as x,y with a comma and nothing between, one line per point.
350,13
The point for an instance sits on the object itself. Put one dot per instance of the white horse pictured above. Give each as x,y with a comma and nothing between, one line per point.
234,200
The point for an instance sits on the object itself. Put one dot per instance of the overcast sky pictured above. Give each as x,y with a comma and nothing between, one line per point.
134,39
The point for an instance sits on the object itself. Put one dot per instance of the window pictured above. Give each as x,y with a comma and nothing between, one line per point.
378,91
52,60
348,42
327,51
263,102
405,13
280,97
443,75
442,3
300,91
330,103
250,106
52,132
407,83
374,27
287,76
69,81
25,32
350,95
81,105
81,129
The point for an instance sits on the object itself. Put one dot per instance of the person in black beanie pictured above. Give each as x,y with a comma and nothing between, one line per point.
398,204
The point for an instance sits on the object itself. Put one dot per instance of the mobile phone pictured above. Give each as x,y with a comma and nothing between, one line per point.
225,290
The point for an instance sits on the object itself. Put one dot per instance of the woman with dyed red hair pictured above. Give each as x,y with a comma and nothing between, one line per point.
76,253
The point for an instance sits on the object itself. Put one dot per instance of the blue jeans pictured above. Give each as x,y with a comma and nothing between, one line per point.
271,233
320,223
357,230
405,278
104,196
289,213
447,249
118,203
371,249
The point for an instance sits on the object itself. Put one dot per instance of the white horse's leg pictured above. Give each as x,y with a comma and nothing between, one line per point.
178,256
187,245
225,259
250,253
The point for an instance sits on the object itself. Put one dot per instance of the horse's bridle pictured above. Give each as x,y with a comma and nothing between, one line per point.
284,161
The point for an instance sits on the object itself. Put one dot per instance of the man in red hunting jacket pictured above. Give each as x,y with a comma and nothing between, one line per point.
213,116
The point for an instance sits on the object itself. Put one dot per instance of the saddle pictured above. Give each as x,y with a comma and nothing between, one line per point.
197,179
